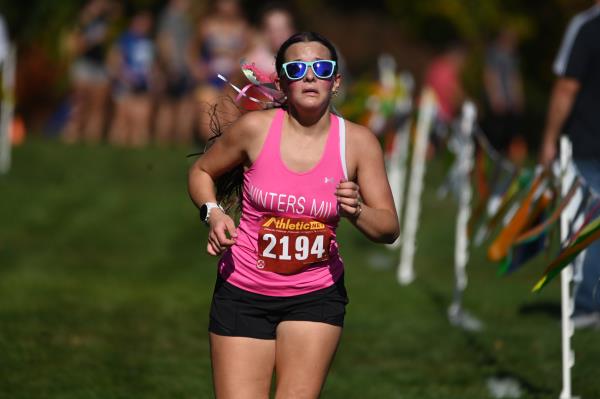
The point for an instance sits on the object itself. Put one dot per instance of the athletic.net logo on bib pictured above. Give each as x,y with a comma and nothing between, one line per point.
289,245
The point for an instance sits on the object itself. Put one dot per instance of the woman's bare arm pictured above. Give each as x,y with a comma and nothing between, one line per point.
376,215
235,147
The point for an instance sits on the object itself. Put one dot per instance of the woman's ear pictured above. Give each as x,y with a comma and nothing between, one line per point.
277,83
337,81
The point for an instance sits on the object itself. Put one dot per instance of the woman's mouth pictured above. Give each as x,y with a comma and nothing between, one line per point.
310,92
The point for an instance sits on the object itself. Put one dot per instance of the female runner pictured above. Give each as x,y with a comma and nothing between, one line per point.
279,300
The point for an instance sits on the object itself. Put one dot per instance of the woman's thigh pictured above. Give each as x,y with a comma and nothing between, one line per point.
304,353
140,107
242,367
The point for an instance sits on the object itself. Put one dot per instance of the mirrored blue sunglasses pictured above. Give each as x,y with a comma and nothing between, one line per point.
296,70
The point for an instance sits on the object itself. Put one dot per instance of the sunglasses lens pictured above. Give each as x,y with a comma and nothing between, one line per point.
295,70
323,69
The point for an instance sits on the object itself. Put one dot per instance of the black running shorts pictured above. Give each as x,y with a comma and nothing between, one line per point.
238,313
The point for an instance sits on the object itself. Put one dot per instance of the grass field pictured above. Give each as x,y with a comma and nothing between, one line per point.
105,288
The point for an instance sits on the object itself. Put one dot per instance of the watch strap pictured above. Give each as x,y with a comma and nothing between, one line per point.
208,207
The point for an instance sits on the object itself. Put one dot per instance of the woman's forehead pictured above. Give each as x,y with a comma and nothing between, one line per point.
307,51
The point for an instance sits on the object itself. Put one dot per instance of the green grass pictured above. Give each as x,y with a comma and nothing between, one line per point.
105,288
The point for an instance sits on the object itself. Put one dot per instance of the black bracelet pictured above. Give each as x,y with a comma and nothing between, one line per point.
358,211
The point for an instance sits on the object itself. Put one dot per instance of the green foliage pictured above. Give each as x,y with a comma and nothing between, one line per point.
45,22
39,21
475,21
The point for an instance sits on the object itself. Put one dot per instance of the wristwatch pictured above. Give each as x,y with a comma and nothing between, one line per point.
205,211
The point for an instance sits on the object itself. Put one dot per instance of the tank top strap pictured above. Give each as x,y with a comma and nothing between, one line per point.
342,144
270,147
335,151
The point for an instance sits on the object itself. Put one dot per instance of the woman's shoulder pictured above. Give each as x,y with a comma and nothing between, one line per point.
359,136
252,124
256,120
248,132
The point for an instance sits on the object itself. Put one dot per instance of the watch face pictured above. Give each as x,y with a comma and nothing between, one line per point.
203,212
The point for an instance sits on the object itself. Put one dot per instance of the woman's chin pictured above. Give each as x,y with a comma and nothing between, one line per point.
310,103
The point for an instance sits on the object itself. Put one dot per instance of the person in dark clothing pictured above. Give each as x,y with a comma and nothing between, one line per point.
88,44
503,91
573,109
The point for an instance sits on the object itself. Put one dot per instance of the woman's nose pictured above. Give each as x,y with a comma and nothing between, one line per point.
310,74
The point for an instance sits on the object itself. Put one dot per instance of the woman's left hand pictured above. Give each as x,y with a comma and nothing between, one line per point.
348,197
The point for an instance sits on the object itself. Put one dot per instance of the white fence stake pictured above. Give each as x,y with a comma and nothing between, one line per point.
427,109
397,161
7,109
465,153
566,275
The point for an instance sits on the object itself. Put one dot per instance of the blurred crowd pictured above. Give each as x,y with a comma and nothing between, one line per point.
154,77
150,76
502,101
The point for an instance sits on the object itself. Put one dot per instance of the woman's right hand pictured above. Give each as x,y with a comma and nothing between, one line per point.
222,232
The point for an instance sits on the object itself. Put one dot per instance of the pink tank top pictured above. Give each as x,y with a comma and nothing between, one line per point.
286,241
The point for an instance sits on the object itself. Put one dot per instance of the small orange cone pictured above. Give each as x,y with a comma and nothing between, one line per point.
17,131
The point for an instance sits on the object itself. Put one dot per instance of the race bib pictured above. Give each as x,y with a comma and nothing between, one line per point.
289,245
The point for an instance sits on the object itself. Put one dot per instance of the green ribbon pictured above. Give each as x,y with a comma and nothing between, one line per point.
588,235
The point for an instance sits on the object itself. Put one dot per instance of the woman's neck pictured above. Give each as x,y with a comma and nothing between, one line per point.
318,120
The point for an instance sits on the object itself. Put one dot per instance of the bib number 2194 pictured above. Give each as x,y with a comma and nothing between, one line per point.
288,245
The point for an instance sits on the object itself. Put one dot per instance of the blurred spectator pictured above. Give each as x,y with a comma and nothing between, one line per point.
90,86
574,110
4,40
276,25
221,40
503,91
443,76
132,68
174,120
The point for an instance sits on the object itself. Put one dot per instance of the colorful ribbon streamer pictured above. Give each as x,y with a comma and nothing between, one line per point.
588,235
